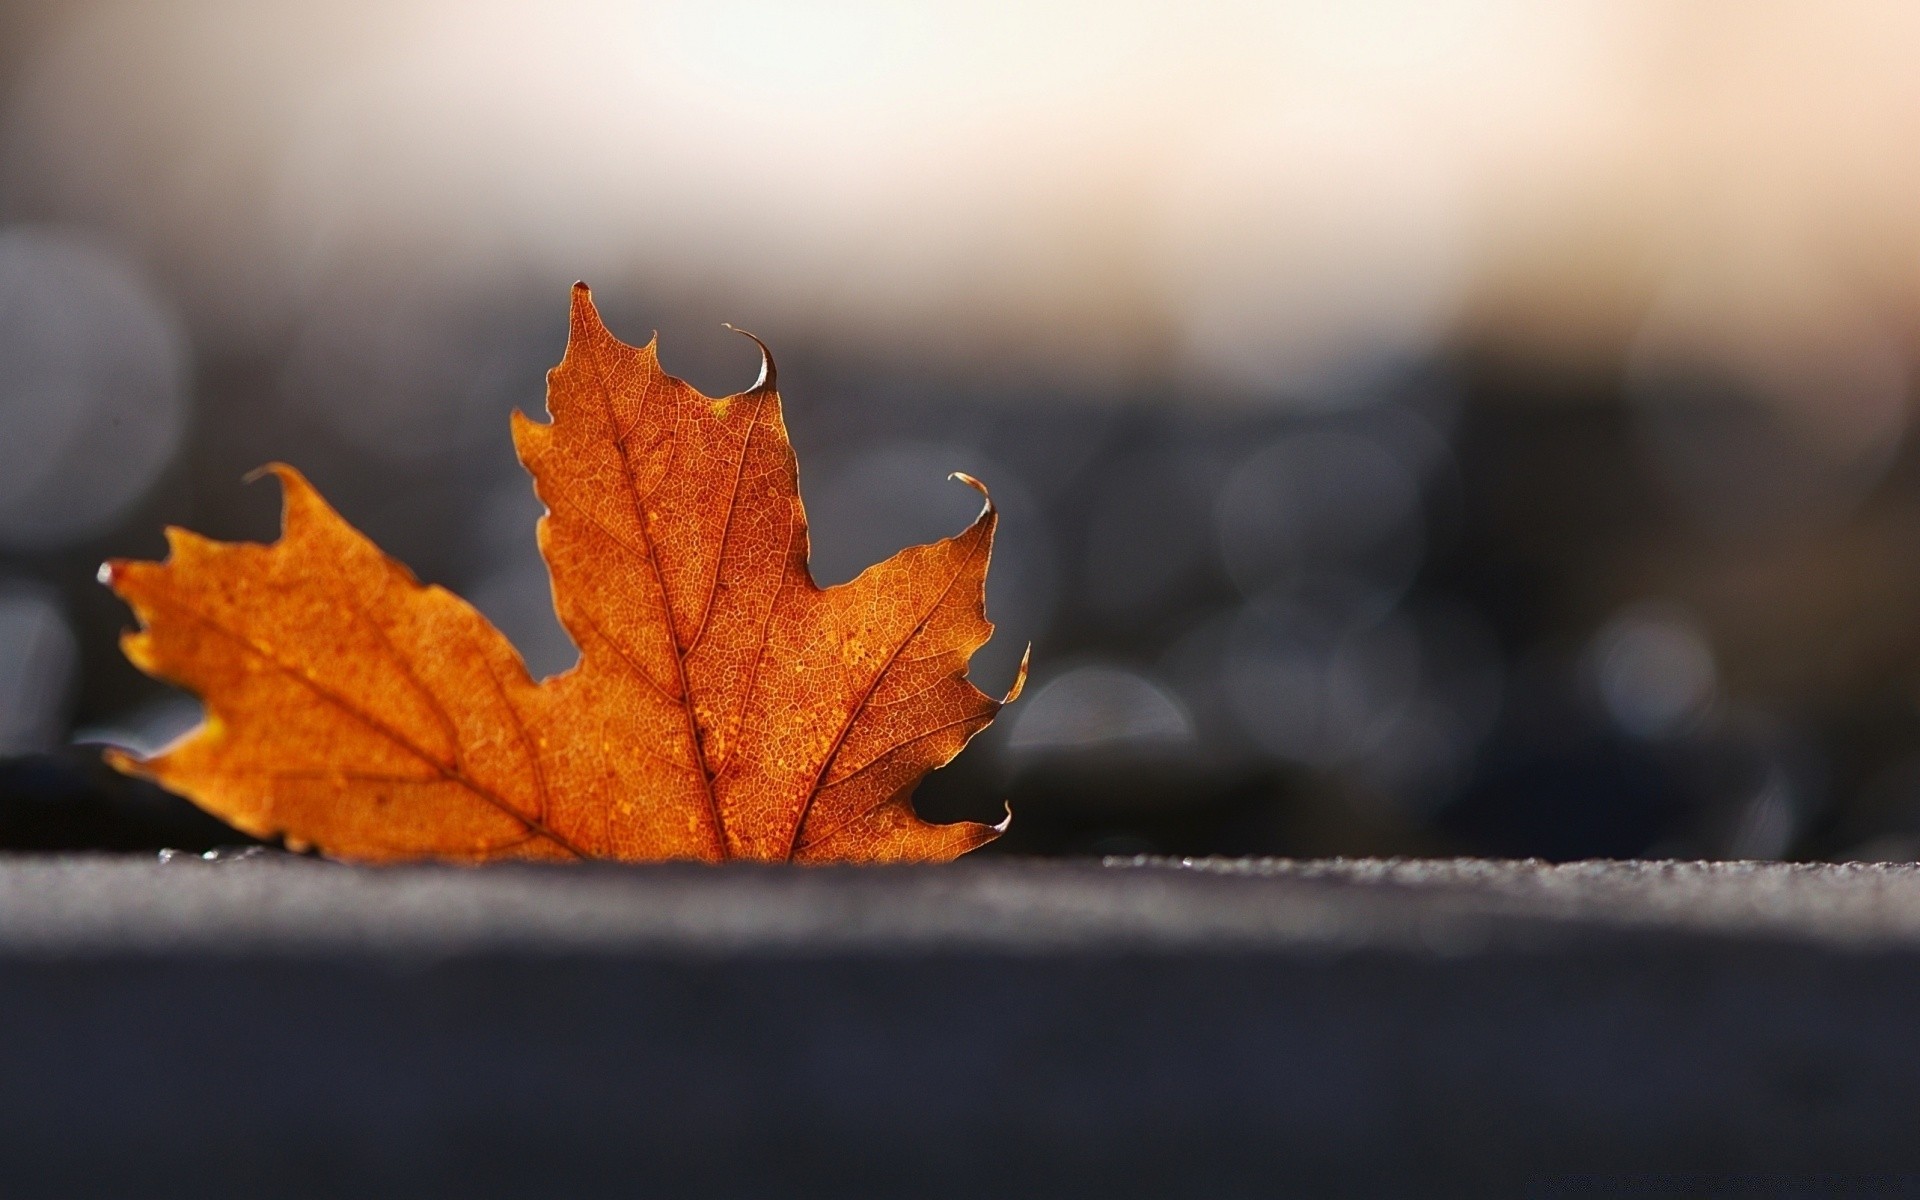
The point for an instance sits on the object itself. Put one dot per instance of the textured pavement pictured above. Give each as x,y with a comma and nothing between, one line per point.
281,1026
270,902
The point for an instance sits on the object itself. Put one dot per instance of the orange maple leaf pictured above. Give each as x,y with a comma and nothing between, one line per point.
724,706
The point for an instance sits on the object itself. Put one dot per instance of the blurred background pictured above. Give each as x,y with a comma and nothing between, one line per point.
1422,426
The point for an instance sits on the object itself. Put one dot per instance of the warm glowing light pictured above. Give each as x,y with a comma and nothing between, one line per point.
1277,197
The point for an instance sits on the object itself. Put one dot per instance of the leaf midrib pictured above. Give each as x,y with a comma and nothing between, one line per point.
717,826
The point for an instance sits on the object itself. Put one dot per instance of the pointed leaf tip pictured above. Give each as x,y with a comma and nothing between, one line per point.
295,489
1019,677
278,470
582,312
768,374
977,486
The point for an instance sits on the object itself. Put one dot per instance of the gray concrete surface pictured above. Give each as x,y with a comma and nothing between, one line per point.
270,902
280,1026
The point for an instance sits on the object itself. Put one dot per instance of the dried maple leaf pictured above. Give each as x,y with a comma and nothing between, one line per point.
724,706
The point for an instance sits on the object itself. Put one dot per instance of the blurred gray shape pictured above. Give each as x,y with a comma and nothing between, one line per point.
38,659
94,372
515,592
1194,665
1654,669
1099,705
1413,425
422,365
1316,683
1760,782
1768,821
1320,499
897,495
518,599
148,729
1416,762
1419,758
1050,436
1147,534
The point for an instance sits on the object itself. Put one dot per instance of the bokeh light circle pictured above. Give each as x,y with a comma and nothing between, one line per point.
94,372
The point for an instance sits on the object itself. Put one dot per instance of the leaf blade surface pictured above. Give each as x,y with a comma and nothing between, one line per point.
724,705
